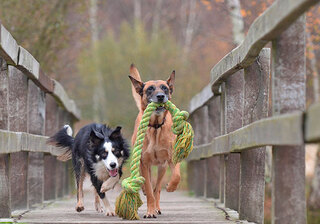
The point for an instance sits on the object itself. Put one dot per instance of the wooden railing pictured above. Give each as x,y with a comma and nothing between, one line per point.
32,107
245,108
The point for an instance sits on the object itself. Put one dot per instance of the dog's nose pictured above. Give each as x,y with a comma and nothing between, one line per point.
113,164
160,97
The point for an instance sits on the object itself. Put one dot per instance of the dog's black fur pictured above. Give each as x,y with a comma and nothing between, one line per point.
88,149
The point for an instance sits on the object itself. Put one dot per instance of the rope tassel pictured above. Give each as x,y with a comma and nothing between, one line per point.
129,200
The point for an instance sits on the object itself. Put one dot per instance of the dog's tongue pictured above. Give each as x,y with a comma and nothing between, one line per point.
113,172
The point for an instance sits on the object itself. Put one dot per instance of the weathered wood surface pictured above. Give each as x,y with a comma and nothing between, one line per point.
18,116
222,132
5,207
8,46
213,163
36,125
233,121
278,131
176,208
279,16
288,162
11,52
256,90
312,125
200,99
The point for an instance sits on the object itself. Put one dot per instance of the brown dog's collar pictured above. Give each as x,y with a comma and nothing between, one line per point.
156,126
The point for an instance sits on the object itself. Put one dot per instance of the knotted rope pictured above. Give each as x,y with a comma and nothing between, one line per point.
129,200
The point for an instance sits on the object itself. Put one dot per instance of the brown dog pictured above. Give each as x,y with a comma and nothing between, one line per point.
158,143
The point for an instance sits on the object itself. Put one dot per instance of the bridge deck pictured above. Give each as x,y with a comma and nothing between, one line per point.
177,207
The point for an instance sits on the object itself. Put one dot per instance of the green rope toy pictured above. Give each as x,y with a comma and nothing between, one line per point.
129,200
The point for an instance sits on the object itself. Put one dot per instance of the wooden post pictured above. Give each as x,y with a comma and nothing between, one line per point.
213,164
18,117
5,207
50,161
200,117
288,88
36,125
233,121
60,166
191,164
222,132
256,90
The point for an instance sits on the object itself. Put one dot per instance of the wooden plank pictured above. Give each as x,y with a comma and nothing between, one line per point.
312,125
288,162
8,46
60,94
5,207
279,16
200,99
36,125
60,166
222,132
256,91
52,120
279,130
213,163
233,121
18,114
28,64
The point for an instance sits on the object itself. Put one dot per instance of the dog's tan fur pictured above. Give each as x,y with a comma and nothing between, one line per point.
157,146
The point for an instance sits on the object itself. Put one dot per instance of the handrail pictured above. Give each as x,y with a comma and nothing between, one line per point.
19,57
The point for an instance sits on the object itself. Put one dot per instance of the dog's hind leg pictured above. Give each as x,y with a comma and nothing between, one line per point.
161,172
80,175
175,177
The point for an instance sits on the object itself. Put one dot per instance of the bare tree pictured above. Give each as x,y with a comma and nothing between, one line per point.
191,25
98,94
237,21
156,19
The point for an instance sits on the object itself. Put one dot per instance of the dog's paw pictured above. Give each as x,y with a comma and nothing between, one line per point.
149,216
98,207
171,187
110,213
79,208
158,211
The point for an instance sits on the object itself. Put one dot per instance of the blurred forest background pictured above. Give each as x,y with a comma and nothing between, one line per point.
88,45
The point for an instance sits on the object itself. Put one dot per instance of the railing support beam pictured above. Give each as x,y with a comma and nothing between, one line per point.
288,163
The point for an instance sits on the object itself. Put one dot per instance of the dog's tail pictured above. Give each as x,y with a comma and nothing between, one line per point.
63,139
135,74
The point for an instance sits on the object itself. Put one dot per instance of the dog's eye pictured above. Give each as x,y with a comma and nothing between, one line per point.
104,155
164,88
150,89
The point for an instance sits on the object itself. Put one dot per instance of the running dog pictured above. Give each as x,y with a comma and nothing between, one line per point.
158,143
98,151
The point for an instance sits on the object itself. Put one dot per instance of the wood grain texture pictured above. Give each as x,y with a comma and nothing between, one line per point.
256,91
233,121
18,121
36,125
288,163
8,46
279,16
213,163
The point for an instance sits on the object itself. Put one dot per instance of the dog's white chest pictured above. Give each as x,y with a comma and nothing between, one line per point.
100,171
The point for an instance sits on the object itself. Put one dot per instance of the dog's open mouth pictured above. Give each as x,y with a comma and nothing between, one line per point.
113,172
160,109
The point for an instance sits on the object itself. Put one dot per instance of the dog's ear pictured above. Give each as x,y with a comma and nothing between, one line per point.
95,138
137,85
170,81
116,133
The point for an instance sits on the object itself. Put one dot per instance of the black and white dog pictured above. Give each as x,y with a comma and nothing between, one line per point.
97,150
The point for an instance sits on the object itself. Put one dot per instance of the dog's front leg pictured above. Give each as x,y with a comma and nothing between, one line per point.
109,209
109,184
151,212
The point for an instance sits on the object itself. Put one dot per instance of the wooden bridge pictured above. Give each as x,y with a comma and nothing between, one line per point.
248,105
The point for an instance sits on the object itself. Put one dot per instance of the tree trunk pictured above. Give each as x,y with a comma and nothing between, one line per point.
98,94
236,20
156,19
191,26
